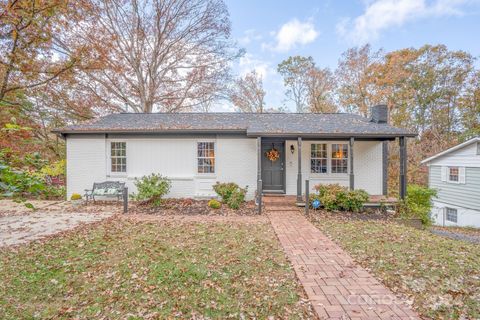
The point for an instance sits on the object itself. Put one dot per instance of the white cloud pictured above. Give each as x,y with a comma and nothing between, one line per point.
293,33
248,63
381,15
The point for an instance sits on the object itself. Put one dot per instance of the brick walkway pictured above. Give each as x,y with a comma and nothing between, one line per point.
336,286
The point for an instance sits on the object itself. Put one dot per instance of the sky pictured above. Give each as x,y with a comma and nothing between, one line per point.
271,31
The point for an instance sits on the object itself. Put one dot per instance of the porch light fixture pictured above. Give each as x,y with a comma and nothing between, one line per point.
292,148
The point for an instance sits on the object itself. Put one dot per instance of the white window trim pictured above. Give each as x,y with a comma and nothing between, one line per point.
329,172
448,175
109,159
208,174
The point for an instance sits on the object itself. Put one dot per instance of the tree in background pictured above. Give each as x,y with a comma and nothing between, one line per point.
321,86
356,91
430,90
30,48
247,93
160,55
294,71
309,87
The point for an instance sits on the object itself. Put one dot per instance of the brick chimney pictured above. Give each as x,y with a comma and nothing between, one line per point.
379,113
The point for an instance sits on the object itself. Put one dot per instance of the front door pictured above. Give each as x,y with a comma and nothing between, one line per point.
273,172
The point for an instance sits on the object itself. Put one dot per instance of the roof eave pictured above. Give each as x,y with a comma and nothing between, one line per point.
452,149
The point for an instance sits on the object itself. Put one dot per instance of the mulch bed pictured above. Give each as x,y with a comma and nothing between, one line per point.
367,215
191,207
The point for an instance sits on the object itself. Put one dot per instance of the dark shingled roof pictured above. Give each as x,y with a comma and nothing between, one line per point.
252,124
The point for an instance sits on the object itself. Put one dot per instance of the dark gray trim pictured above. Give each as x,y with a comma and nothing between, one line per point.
350,154
385,167
143,131
259,174
292,136
307,196
299,175
403,167
329,135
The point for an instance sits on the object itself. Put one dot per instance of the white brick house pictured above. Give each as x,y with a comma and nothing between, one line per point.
195,150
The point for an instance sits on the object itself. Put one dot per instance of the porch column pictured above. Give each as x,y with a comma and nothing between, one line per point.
259,174
403,167
350,156
299,175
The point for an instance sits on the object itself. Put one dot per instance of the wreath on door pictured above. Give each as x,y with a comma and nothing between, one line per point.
272,154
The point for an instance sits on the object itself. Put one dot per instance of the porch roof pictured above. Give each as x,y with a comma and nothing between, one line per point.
252,124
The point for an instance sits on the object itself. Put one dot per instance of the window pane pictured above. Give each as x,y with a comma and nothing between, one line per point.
452,215
318,158
453,174
339,151
206,157
118,156
319,165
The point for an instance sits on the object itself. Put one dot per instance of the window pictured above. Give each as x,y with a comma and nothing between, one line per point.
452,215
318,158
118,156
339,158
453,173
206,157
478,148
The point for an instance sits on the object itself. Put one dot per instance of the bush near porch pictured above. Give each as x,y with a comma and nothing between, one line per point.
335,197
231,194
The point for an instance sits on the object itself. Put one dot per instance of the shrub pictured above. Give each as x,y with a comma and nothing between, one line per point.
225,190
231,194
55,169
353,200
417,203
237,198
334,197
152,188
75,196
214,204
18,183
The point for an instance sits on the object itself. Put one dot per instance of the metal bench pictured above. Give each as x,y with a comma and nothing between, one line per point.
109,189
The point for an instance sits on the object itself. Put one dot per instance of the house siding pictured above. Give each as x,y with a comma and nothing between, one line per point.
465,217
85,162
172,156
464,157
368,162
463,195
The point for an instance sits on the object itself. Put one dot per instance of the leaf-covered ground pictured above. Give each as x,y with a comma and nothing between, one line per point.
441,276
125,269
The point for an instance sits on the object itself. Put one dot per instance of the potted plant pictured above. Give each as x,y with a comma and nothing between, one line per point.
76,199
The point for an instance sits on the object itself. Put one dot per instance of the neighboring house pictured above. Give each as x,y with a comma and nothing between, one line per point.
195,150
455,174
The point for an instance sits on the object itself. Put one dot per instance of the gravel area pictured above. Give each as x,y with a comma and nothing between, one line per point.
457,236
21,229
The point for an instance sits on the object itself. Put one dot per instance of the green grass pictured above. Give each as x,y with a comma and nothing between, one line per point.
135,270
441,276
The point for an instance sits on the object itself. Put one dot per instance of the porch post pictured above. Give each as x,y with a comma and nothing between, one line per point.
403,167
259,174
350,155
299,175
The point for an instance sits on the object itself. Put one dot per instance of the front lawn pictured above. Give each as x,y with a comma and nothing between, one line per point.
125,269
441,276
